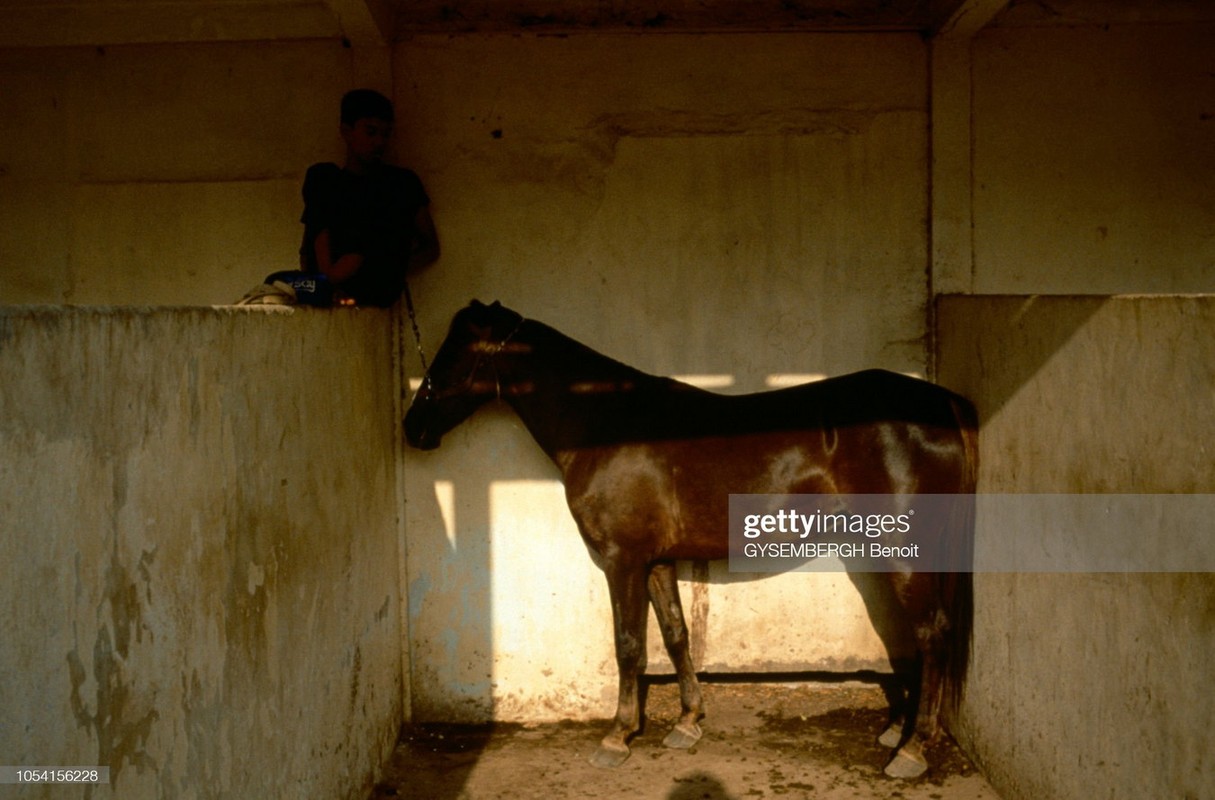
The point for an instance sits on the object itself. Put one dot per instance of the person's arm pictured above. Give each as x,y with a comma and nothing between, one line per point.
316,251
426,242
337,271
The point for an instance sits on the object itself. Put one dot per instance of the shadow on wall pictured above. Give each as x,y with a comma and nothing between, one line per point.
451,593
450,587
1051,330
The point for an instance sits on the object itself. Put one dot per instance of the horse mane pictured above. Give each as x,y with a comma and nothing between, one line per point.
604,401
588,364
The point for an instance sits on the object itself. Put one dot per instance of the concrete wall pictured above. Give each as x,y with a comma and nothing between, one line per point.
1092,151
162,175
727,207
169,174
1090,147
1090,685
199,515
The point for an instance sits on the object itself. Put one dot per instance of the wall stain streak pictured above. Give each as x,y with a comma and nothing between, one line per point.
120,740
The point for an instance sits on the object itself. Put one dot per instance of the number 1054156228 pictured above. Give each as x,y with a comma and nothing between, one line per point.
54,775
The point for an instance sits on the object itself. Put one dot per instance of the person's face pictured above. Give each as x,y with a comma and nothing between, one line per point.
367,141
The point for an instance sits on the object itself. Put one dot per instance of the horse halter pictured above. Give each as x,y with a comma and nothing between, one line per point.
493,352
485,350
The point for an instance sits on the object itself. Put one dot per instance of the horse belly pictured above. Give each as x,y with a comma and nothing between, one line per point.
670,499
893,458
707,472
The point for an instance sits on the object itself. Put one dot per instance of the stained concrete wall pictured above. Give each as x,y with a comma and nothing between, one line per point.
199,516
723,207
1089,685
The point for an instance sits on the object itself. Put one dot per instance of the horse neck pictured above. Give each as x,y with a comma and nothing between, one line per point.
561,389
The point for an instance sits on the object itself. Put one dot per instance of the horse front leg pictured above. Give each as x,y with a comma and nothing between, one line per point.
664,596
627,587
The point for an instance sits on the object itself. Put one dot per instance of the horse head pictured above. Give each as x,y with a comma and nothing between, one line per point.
463,376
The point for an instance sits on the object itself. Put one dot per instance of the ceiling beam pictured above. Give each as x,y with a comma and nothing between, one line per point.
951,182
964,19
365,23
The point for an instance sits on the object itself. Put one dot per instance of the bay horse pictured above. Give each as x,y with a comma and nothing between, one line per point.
648,465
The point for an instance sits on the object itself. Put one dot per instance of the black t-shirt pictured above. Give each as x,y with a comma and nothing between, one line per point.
372,215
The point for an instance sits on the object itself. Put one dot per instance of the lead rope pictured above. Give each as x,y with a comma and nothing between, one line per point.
417,335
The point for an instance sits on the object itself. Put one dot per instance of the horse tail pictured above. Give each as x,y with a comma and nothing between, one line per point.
956,590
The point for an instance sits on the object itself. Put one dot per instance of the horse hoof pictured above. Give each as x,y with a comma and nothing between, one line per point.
906,765
683,736
608,756
891,736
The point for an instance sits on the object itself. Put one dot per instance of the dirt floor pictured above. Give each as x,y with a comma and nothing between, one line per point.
761,740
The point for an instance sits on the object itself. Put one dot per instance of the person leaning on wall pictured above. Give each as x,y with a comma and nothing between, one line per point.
367,223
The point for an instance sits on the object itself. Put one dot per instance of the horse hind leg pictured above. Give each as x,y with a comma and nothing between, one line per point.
664,596
908,760
626,586
893,733
903,695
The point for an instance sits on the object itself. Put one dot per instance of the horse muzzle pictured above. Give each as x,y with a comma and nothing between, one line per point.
422,439
419,435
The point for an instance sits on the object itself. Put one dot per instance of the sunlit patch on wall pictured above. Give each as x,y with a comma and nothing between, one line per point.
787,379
445,494
707,381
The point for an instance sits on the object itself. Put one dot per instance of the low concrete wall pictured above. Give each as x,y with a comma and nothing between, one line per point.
1090,685
199,515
